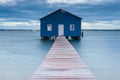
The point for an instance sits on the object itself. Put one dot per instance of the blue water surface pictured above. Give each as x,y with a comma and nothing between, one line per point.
100,50
21,53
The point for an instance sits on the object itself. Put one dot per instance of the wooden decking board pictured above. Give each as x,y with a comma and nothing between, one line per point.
62,63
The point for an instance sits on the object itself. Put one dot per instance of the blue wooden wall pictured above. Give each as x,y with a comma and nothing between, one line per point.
61,18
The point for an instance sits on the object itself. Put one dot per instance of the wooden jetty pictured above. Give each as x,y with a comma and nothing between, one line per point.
62,63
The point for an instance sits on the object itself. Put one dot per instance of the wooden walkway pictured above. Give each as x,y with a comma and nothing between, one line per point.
62,63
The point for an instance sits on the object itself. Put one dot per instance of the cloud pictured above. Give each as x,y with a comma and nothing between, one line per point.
115,24
12,24
6,1
78,1
32,24
2,19
9,2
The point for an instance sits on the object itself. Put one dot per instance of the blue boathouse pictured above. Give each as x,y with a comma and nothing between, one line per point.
60,23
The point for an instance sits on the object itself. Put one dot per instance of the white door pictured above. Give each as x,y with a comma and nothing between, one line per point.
60,29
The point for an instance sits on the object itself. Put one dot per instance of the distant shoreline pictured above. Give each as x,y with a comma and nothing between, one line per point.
100,30
39,30
18,30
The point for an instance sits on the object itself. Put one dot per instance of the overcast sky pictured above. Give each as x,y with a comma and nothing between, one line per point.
24,14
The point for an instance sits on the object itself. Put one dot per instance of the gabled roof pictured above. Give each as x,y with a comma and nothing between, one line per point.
61,11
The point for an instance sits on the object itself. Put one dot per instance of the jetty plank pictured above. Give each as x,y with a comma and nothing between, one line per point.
62,63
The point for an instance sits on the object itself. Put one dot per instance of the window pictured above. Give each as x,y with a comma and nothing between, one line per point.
72,27
49,27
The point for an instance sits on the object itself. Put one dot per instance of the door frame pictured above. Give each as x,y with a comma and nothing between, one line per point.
60,29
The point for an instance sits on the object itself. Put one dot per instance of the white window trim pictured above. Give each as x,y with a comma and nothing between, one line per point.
72,27
49,27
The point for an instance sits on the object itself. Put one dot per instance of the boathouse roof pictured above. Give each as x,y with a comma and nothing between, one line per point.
62,11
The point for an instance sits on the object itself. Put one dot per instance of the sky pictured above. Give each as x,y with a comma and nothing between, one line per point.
25,14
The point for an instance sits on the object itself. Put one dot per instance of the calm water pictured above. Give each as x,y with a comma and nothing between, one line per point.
21,53
100,50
